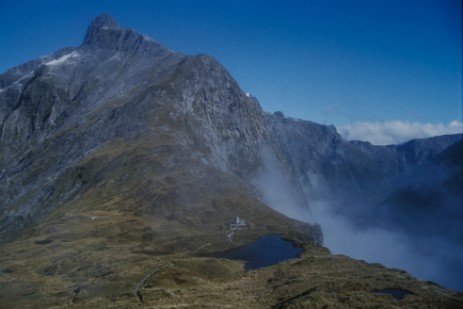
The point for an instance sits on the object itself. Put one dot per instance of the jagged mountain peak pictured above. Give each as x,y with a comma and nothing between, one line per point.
100,23
104,33
104,20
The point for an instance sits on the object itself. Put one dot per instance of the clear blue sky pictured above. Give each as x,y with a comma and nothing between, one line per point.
330,61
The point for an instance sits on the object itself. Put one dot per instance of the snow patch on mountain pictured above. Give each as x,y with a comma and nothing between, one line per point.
62,59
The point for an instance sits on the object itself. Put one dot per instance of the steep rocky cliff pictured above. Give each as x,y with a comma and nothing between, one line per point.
118,86
120,158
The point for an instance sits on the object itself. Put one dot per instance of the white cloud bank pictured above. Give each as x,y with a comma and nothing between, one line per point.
395,132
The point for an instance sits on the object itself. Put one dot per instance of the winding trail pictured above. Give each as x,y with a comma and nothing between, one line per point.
140,283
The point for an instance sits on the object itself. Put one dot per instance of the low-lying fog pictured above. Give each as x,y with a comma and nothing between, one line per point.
435,258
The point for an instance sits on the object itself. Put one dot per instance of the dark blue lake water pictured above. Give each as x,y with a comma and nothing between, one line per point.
396,293
266,251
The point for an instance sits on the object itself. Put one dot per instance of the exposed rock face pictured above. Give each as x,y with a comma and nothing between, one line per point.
121,149
68,105
327,165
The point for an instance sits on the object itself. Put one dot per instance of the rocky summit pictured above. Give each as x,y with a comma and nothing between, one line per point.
125,166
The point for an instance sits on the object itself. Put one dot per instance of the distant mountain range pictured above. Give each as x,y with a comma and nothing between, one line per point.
121,156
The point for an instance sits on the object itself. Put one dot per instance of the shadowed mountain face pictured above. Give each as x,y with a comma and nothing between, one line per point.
121,159
431,194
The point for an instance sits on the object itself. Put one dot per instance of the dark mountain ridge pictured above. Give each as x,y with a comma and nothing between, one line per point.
123,146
